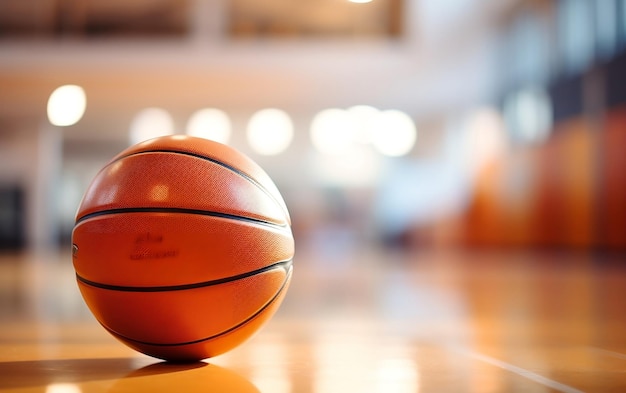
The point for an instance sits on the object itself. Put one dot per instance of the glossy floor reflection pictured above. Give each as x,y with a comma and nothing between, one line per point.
353,321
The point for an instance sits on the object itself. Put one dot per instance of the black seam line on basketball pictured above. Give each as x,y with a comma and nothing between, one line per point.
286,265
179,210
232,329
213,160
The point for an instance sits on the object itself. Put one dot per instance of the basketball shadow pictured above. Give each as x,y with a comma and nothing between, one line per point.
161,376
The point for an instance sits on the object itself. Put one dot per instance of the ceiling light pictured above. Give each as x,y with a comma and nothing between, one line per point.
210,123
66,105
151,123
332,131
394,133
270,131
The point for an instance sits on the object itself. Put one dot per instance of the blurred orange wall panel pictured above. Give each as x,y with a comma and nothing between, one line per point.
539,196
484,217
547,215
577,180
612,204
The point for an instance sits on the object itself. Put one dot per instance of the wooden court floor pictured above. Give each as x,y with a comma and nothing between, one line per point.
353,321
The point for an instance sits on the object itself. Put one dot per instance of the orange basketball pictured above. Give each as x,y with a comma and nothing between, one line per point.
182,248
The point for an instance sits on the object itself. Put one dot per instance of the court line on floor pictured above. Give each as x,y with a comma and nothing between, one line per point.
521,371
608,352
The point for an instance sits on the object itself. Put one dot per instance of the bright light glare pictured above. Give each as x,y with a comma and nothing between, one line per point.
66,105
270,131
332,131
337,131
270,376
486,136
151,123
397,375
63,388
358,166
394,133
340,362
363,118
210,123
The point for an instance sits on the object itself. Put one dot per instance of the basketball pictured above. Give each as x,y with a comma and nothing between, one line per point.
182,248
